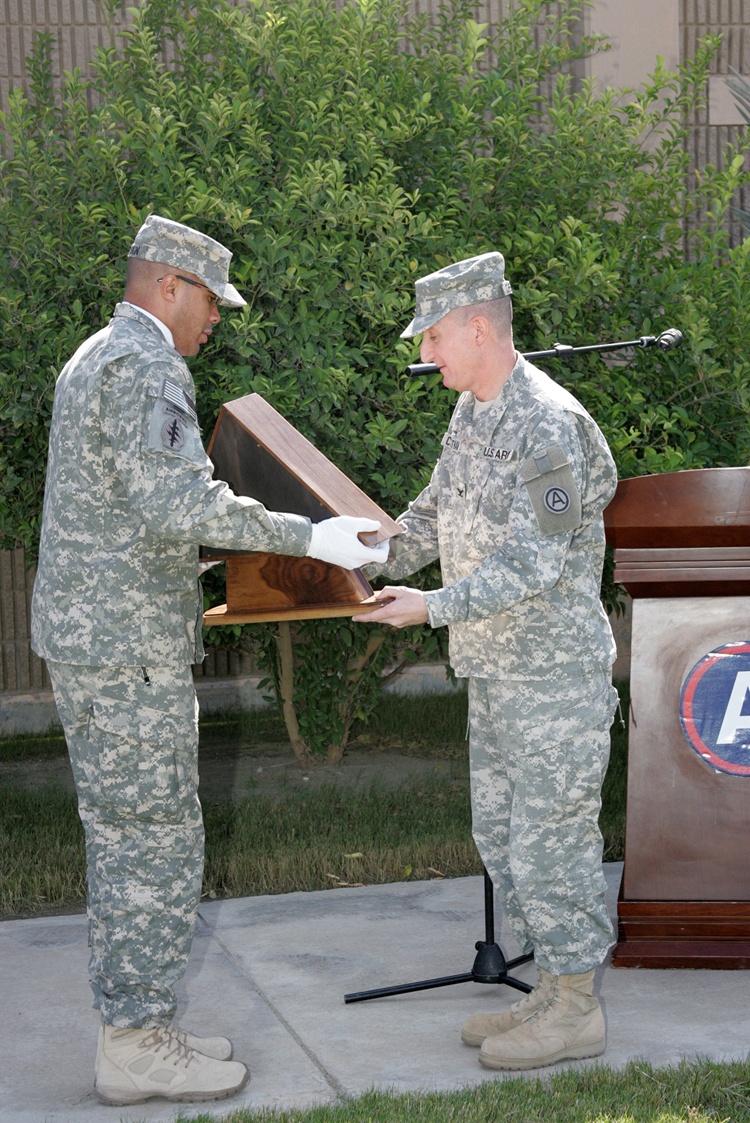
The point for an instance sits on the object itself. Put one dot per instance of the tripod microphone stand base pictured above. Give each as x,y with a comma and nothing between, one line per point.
490,965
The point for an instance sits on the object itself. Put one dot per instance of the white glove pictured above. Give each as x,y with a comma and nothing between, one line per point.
335,541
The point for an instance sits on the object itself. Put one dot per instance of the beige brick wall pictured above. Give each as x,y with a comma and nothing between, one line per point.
78,27
20,669
719,123
638,30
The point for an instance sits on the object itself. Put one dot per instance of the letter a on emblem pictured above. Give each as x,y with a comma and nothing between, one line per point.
734,719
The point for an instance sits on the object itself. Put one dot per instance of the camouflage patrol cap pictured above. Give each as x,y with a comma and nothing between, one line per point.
472,281
172,243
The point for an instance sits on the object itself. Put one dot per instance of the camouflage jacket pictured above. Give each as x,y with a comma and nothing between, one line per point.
514,513
129,498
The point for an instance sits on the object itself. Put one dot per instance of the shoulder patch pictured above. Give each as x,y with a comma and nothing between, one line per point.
176,396
552,490
173,426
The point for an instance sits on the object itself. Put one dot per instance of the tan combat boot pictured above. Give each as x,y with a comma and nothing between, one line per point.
134,1065
569,1025
479,1026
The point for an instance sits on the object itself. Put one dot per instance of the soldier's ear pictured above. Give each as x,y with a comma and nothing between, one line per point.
168,287
480,328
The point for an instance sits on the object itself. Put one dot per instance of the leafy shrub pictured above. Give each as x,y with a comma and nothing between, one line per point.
340,154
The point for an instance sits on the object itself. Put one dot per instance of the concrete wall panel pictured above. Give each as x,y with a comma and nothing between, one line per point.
639,31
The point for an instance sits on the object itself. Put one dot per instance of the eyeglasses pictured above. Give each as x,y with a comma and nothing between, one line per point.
197,284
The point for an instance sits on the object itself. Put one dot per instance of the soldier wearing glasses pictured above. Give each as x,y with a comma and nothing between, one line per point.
117,614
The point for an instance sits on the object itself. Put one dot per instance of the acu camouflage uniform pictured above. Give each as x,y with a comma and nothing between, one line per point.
514,513
117,612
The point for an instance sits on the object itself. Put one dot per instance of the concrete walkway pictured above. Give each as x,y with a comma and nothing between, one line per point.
272,972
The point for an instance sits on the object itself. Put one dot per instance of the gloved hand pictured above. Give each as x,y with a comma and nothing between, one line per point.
335,541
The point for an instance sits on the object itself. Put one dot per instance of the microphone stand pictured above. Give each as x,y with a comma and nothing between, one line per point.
490,965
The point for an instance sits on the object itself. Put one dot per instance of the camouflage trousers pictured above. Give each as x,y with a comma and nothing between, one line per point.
539,752
132,735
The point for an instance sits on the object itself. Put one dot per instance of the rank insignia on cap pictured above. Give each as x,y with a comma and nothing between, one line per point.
172,243
472,281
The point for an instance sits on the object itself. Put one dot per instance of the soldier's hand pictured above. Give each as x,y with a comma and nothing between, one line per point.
399,607
335,541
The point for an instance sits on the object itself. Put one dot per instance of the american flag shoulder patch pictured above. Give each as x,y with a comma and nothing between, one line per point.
177,397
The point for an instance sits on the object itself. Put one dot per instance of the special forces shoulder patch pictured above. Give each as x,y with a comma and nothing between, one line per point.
174,422
552,490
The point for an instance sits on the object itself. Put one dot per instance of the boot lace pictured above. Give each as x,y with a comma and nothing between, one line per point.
542,988
170,1045
551,999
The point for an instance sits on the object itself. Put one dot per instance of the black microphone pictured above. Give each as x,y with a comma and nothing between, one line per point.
423,368
669,339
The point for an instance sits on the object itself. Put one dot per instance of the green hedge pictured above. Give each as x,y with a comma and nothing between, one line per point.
340,154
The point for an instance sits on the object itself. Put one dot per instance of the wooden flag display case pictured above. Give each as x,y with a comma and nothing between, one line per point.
260,454
682,550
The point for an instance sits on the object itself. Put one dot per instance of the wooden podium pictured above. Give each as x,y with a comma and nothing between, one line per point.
259,454
682,550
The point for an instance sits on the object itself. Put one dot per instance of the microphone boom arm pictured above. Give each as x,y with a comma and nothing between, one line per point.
665,342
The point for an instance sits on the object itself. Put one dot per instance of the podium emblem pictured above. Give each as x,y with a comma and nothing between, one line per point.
715,708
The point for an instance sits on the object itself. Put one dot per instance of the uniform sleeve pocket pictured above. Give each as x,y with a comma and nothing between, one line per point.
553,492
173,426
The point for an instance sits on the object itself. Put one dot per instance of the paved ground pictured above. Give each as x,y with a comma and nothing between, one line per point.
272,972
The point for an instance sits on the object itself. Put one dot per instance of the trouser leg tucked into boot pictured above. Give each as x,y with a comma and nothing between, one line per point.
479,1026
568,1025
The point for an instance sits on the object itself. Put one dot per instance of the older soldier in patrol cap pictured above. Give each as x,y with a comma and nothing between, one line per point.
514,513
117,612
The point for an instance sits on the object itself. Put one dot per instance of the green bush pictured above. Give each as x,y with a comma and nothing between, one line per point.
340,154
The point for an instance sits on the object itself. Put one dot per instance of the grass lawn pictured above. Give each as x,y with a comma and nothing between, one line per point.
702,1092
301,839
329,835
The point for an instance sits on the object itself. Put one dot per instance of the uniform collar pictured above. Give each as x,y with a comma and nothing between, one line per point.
487,420
125,306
